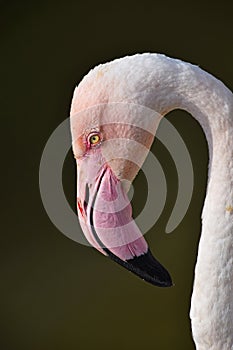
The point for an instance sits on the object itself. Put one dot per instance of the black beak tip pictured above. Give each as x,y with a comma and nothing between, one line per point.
150,270
146,267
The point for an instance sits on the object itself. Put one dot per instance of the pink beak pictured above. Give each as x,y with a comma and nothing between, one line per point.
105,215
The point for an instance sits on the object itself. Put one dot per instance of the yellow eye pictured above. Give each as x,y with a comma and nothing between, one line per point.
94,139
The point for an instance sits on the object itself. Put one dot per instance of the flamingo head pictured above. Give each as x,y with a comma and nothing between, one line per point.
110,144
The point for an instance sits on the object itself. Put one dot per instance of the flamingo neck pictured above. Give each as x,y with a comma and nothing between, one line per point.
211,103
212,299
170,84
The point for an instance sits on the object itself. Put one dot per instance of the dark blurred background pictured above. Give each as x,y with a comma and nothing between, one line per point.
55,293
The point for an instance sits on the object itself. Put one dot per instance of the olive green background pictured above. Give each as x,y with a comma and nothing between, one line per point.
56,294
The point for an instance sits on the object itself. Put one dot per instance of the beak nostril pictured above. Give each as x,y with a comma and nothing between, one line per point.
86,200
85,207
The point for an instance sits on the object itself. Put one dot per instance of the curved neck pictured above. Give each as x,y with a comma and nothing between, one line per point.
211,103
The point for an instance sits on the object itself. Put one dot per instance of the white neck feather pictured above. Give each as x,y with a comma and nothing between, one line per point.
211,103
188,87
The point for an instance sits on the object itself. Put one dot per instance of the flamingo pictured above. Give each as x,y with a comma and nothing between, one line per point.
103,111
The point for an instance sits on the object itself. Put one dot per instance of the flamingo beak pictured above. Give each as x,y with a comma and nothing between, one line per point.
105,216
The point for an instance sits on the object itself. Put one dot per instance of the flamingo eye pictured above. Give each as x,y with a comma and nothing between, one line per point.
94,139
